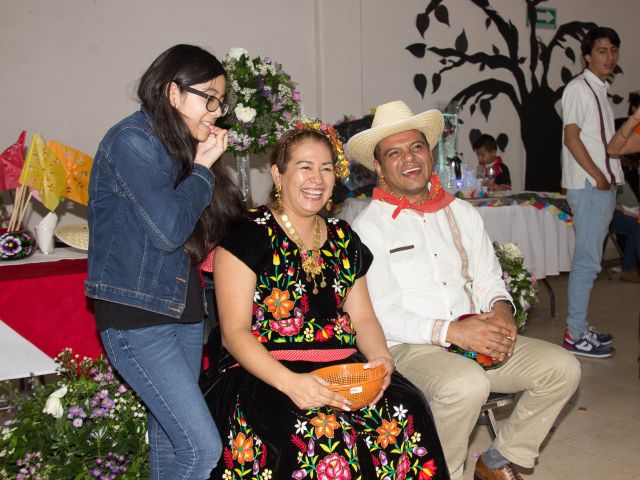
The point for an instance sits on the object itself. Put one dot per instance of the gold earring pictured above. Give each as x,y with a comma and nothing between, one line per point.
329,204
278,195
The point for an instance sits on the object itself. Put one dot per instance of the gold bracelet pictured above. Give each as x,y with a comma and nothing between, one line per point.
622,134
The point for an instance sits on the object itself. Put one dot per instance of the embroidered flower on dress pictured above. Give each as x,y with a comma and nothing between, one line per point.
401,412
242,449
324,425
301,427
278,303
387,433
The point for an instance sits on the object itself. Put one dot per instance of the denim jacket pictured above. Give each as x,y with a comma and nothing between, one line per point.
138,221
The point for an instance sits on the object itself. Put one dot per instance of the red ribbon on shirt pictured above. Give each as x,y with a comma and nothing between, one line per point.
437,199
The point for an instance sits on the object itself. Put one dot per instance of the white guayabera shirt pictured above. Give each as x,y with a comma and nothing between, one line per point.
419,281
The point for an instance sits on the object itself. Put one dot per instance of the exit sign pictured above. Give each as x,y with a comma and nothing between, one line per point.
546,17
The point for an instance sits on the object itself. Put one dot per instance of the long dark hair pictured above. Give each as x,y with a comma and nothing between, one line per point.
189,65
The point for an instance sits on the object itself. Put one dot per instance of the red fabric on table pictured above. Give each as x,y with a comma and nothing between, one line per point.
45,303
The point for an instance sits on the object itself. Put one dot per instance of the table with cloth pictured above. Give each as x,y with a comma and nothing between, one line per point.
42,299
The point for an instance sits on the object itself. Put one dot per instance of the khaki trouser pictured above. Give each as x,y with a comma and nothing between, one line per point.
457,387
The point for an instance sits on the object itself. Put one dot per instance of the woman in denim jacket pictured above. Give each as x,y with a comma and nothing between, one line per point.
153,212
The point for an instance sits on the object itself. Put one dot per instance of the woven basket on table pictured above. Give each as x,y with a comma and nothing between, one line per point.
359,385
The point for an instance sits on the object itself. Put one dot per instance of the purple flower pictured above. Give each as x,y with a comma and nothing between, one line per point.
420,451
295,96
383,458
122,389
77,422
310,448
98,413
76,411
108,404
298,474
99,461
10,245
95,472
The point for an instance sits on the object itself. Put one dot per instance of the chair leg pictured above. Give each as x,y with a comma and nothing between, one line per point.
552,297
493,422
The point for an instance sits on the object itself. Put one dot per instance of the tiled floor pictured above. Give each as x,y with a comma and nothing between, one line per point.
597,436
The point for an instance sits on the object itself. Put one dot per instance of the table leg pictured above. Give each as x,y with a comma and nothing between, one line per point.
552,297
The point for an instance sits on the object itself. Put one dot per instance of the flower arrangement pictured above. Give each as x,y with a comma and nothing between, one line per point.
521,284
85,425
262,101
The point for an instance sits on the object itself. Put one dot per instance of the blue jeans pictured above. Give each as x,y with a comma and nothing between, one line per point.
162,364
592,211
629,227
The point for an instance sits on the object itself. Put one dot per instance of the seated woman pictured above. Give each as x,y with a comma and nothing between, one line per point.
292,297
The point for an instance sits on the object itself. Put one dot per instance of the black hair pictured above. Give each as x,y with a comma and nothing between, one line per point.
486,141
187,65
589,40
634,101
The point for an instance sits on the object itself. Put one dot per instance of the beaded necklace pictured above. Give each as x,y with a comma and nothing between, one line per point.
311,259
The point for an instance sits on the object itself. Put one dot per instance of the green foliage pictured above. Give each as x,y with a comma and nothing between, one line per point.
521,284
85,425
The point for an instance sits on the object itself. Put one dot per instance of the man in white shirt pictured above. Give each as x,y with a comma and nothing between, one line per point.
590,177
433,263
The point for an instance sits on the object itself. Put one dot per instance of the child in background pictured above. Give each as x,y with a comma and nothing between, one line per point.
486,148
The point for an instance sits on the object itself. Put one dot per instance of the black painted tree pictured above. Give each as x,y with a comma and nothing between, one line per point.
529,91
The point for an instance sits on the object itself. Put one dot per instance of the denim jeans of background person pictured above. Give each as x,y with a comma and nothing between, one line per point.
153,212
590,177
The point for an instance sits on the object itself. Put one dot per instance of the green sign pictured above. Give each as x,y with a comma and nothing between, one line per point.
546,17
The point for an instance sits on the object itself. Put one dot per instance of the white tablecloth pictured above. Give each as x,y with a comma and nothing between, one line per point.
546,242
61,253
19,358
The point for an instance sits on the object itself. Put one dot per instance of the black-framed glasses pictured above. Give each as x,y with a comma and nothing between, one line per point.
213,103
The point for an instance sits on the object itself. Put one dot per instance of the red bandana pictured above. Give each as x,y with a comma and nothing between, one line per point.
438,198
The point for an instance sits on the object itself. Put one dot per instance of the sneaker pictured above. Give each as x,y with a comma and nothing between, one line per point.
603,338
587,345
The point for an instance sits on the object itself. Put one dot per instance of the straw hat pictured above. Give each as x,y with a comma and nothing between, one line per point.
392,118
74,235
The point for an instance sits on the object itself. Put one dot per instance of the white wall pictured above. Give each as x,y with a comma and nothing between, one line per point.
69,67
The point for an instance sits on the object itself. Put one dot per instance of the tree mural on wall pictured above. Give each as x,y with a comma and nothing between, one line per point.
530,92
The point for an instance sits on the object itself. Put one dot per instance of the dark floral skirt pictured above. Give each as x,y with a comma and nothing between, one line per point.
267,437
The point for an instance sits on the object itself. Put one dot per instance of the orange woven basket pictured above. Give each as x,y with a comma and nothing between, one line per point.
360,386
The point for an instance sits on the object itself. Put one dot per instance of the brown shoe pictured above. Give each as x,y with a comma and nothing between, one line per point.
630,276
505,472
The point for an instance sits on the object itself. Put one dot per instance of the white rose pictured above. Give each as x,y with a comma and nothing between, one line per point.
245,114
53,406
237,52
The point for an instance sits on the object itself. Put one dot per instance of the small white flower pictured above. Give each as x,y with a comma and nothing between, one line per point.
245,114
53,405
401,412
300,288
415,438
301,427
368,442
337,286
332,221
237,52
256,296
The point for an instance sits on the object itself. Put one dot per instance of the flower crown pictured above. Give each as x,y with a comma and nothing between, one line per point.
341,166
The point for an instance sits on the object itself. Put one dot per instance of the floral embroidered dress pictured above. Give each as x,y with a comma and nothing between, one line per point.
266,435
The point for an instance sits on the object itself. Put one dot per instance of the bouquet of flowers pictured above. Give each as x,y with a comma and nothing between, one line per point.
262,102
86,425
520,283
